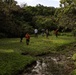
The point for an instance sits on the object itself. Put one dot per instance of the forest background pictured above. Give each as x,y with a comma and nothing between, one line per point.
15,19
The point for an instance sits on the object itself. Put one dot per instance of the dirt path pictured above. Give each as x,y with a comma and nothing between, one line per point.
54,64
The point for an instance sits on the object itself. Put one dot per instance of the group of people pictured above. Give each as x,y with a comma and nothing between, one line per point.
42,31
27,35
46,32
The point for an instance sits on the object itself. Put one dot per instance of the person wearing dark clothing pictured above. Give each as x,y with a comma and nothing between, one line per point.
27,36
43,31
56,32
21,37
47,33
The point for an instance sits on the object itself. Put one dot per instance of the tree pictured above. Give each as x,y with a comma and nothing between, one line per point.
66,14
44,22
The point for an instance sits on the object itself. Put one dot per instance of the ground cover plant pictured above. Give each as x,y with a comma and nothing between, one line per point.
11,49
13,63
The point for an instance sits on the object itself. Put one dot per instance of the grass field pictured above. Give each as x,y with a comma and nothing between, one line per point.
10,51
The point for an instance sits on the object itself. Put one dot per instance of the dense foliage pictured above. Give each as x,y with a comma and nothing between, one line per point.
66,14
15,19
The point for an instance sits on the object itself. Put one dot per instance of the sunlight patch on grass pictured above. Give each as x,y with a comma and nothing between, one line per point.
61,41
6,51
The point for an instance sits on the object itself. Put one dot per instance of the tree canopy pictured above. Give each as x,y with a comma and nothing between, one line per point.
15,19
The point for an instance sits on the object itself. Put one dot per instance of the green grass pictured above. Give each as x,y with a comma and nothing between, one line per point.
43,45
37,45
12,63
11,60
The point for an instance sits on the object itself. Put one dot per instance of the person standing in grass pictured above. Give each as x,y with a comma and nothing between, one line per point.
36,32
27,36
21,36
47,33
56,32
43,31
